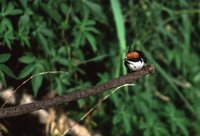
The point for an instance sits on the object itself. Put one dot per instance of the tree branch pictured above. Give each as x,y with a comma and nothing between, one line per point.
37,105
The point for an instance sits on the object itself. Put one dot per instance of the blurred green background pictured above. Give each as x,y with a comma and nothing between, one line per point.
89,39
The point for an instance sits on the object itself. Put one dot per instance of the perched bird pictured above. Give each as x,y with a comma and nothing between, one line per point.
134,60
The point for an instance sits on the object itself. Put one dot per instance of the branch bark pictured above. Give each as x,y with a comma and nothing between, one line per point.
37,105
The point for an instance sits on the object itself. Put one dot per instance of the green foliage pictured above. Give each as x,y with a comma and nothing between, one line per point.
88,40
5,69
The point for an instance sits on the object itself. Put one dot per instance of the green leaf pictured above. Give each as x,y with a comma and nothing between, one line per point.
196,77
2,78
91,29
8,38
63,61
126,122
28,69
7,70
178,61
54,14
96,9
64,8
4,57
36,83
11,11
24,21
92,41
117,119
81,103
59,86
5,25
27,59
120,27
23,36
6,32
79,39
47,32
43,41
183,129
87,23
95,59
37,80
24,3
119,22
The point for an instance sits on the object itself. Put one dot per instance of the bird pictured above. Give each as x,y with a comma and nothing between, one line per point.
134,60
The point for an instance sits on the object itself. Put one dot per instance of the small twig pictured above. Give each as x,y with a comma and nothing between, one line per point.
92,109
37,105
162,96
23,83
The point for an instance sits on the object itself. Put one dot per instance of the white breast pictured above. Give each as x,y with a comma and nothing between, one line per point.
134,66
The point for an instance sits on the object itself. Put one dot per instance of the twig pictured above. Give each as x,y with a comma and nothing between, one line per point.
92,109
37,105
162,96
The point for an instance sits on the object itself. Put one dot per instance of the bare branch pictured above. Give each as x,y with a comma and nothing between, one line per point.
37,105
